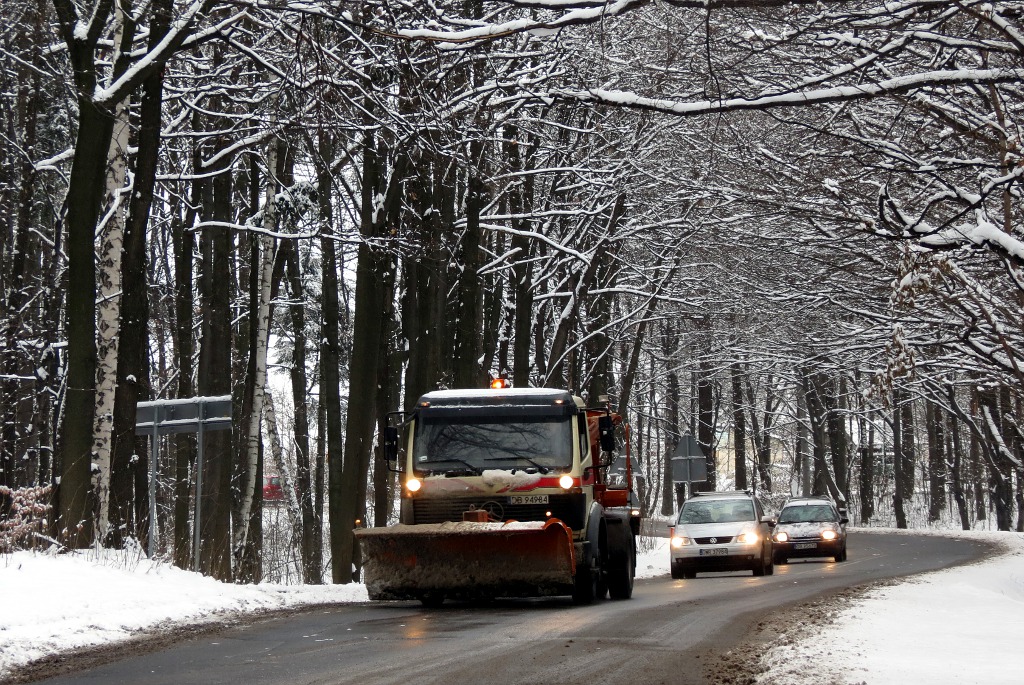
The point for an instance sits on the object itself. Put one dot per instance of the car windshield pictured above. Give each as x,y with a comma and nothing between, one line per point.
807,513
716,511
476,443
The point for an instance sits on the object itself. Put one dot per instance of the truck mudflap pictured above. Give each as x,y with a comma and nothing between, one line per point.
468,560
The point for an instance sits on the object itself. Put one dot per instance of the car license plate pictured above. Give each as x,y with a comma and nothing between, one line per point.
805,545
714,552
527,499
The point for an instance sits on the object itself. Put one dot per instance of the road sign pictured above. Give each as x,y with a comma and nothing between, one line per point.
190,415
689,465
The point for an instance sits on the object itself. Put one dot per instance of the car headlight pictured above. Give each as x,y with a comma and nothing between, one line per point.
748,538
828,535
781,537
678,541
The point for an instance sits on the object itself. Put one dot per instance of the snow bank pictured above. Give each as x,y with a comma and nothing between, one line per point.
960,625
53,603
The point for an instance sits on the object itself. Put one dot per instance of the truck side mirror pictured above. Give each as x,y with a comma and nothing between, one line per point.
391,444
607,433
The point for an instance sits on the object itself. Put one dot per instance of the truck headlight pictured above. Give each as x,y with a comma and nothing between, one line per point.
413,484
566,482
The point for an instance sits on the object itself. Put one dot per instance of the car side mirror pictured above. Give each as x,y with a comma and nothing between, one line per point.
769,520
844,520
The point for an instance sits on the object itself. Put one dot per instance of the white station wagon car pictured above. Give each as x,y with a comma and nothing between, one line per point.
721,531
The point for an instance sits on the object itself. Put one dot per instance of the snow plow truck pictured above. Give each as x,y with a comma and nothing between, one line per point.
505,493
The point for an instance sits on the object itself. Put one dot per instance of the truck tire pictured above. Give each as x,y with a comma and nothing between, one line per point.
621,562
584,587
432,600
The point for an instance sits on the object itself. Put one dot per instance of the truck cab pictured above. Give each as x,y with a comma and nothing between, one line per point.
516,472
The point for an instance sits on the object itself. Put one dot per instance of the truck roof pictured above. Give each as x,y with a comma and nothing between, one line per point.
504,396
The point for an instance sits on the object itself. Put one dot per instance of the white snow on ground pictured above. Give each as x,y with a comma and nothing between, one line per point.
961,625
51,603
972,616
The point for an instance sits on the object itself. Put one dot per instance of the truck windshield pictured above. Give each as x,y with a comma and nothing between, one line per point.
446,444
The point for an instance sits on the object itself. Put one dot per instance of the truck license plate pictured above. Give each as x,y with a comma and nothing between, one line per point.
714,552
805,545
527,499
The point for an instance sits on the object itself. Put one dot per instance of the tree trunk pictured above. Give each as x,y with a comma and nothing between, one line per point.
803,453
838,442
955,461
867,471
348,480
739,431
108,305
669,496
298,378
466,369
818,412
85,190
389,392
999,465
215,375
132,366
246,548
522,272
899,462
936,462
706,422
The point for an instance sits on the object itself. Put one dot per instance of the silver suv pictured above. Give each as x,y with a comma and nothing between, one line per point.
721,531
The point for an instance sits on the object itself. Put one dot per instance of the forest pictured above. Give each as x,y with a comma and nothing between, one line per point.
790,229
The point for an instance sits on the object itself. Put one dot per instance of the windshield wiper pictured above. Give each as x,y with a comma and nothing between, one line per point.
539,467
475,470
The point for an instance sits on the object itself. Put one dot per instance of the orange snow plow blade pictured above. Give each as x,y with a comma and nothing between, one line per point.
466,560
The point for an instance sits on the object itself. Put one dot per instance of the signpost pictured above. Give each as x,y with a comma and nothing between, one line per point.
191,415
689,465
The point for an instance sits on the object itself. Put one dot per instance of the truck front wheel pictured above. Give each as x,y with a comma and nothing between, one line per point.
584,589
432,600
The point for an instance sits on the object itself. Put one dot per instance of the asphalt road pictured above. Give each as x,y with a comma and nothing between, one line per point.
670,632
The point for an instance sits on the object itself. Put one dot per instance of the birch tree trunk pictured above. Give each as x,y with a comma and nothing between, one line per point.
108,306
74,521
133,340
268,251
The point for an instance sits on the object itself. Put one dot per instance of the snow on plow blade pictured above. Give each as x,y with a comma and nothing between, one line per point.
466,559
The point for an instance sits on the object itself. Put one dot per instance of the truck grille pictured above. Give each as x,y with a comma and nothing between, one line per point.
567,508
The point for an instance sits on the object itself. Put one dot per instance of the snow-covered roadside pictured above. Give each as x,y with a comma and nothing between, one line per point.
53,603
57,603
960,625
